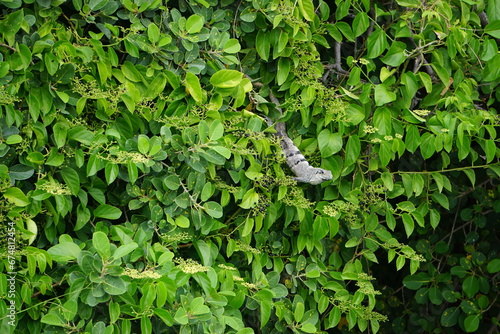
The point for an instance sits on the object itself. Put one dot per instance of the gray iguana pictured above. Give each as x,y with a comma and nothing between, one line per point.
298,163
294,158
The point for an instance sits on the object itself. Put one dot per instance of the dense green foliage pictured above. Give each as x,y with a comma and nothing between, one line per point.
143,192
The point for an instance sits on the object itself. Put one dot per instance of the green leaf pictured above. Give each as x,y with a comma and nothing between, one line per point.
124,250
157,86
12,23
441,199
352,150
81,134
395,56
213,209
450,317
408,223
226,78
415,282
471,175
153,33
216,130
193,86
355,114
101,243
182,222
388,180
383,95
95,5
308,328
490,148
181,316
265,312
172,182
329,143
232,46
197,307
250,199
377,43
64,251
298,312
107,211
52,319
71,178
307,9
225,152
114,285
470,286
248,14
493,28
60,132
82,216
283,70
194,24
493,266
35,157
14,139
165,316
263,44
111,172
493,10
143,144
426,81
16,196
471,323
360,24
428,146
133,172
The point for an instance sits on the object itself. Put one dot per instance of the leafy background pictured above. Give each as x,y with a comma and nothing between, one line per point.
149,194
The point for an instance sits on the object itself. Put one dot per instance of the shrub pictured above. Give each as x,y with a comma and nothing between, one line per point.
144,191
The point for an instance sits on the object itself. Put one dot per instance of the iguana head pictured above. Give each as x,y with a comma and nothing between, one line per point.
315,176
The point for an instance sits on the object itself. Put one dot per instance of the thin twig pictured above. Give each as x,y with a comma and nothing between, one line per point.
8,47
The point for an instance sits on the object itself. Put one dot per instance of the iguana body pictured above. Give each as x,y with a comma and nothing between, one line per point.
298,163
294,159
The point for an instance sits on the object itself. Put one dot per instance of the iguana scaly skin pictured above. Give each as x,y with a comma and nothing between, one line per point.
295,160
298,163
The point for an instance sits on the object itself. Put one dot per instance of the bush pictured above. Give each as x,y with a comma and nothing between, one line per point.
144,191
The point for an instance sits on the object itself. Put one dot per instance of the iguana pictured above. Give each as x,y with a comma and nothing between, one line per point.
294,158
298,163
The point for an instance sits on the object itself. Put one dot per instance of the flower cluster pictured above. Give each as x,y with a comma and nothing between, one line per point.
134,273
402,250
371,195
123,157
176,237
249,286
332,105
421,112
286,10
221,185
347,210
225,267
6,98
240,246
91,90
54,188
190,266
179,122
365,287
295,197
361,311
